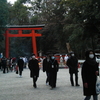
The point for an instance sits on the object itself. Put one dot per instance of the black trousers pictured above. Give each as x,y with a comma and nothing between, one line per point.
5,69
47,79
95,97
20,72
76,78
34,80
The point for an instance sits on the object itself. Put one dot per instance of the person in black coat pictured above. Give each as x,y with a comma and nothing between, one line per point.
72,63
53,69
90,71
46,68
20,64
4,65
34,70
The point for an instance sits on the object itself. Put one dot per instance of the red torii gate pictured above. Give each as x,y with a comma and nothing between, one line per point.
20,28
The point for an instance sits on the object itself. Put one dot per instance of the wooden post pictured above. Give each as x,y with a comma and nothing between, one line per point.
34,43
7,44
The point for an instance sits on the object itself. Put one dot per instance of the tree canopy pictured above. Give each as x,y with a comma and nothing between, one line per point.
3,16
76,22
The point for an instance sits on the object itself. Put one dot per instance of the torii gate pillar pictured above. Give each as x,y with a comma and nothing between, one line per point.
20,28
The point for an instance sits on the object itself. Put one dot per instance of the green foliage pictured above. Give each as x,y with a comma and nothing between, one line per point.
53,15
73,21
3,16
82,22
18,13
34,20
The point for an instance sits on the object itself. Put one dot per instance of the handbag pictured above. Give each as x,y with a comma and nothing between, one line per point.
98,85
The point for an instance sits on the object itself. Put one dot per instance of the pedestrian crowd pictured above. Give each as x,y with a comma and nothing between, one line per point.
7,64
13,65
89,72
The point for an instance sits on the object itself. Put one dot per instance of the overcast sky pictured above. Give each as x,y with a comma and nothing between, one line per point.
11,1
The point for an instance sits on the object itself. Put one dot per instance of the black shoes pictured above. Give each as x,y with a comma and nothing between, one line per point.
35,86
77,85
51,87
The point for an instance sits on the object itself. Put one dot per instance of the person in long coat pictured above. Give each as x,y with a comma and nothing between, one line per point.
20,64
46,68
34,70
72,63
89,75
53,69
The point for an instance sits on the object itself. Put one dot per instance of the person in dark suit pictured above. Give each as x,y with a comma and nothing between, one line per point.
34,70
72,63
90,71
20,64
53,69
46,68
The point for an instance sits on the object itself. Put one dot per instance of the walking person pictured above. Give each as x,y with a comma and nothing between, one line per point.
46,68
4,65
8,64
53,69
13,63
20,65
61,61
34,69
0,64
90,71
65,59
72,63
